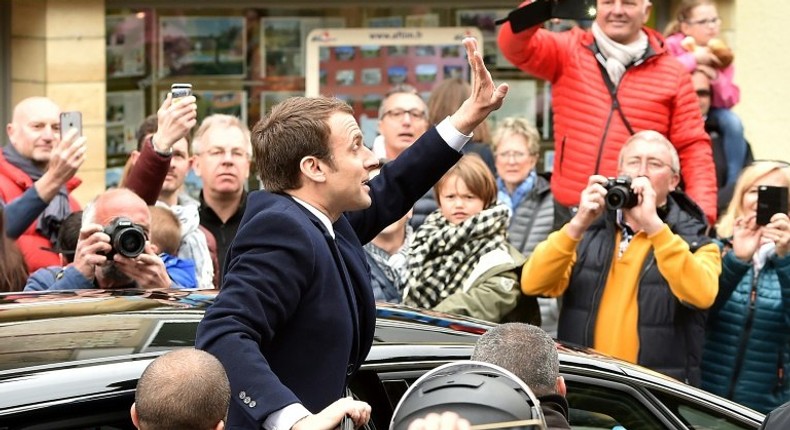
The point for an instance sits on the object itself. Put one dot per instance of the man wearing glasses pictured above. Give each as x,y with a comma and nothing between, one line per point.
403,117
636,282
222,151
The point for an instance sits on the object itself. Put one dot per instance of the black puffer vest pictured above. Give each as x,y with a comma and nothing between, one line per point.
671,333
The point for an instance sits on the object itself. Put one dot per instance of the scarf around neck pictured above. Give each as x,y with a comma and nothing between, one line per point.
58,209
513,200
443,255
618,56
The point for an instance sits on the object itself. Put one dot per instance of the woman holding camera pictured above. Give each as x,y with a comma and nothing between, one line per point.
747,348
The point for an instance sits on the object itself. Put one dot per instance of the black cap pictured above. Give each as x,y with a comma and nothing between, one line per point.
481,393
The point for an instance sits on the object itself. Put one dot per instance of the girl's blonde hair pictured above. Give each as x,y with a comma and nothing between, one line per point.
682,14
748,177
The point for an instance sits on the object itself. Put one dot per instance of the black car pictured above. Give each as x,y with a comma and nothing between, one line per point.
71,360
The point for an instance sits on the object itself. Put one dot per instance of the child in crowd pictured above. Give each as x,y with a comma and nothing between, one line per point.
166,236
693,38
460,261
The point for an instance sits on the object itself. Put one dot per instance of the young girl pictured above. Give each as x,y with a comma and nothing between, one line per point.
460,261
699,20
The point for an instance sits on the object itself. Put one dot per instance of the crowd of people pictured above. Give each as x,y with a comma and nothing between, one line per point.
643,242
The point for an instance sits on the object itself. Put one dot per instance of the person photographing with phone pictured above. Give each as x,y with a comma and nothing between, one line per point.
37,176
637,279
747,346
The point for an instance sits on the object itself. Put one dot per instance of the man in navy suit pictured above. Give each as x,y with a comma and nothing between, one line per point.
295,317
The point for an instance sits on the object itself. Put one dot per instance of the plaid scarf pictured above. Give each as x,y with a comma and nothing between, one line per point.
443,255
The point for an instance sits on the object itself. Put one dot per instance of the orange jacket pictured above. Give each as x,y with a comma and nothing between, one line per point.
655,93
13,183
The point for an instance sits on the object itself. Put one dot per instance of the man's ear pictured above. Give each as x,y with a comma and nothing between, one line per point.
135,418
220,425
648,11
561,388
312,168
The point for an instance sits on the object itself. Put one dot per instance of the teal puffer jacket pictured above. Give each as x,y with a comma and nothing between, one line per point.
747,348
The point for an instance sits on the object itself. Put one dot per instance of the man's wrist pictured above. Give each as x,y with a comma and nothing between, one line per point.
163,152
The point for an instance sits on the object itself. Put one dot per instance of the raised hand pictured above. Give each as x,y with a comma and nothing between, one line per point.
644,213
66,157
485,98
778,232
175,120
591,206
746,237
92,247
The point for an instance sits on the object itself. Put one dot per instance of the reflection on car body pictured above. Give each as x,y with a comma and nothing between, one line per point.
71,360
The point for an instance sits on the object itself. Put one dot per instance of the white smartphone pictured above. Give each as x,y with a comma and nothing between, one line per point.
69,120
180,90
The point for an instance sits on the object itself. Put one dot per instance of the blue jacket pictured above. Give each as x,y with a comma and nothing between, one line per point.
287,325
747,351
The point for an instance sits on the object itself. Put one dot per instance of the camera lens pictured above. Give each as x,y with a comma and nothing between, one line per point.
614,199
130,242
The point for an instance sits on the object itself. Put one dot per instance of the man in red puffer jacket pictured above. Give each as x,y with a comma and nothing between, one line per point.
608,83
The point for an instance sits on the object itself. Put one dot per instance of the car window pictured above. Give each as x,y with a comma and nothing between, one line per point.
698,416
598,404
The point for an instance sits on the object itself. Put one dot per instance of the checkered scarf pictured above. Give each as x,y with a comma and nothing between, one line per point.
443,255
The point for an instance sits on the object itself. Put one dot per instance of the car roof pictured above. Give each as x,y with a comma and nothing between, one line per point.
51,339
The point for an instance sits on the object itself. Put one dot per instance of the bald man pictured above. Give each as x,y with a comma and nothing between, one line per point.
183,389
37,177
92,268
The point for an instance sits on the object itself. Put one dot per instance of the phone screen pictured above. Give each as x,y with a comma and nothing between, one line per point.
69,120
770,200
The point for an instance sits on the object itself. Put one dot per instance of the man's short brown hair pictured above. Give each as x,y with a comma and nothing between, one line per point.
296,128
477,177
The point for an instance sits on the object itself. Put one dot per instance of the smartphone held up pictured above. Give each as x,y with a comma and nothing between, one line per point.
180,90
770,200
69,120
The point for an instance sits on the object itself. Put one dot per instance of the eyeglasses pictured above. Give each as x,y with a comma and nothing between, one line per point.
399,113
703,93
653,164
708,21
516,156
235,154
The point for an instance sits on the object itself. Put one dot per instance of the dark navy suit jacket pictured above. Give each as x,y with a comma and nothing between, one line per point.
288,325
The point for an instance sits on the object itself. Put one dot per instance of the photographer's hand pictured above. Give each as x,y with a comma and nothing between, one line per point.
644,214
147,269
746,237
175,120
92,246
778,231
591,206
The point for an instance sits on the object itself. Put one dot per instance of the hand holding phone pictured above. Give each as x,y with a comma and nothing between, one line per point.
69,120
180,90
770,200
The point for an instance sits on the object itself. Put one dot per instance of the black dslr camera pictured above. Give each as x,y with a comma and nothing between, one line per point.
619,194
543,10
126,238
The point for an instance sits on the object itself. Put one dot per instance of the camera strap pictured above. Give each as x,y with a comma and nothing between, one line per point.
611,87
